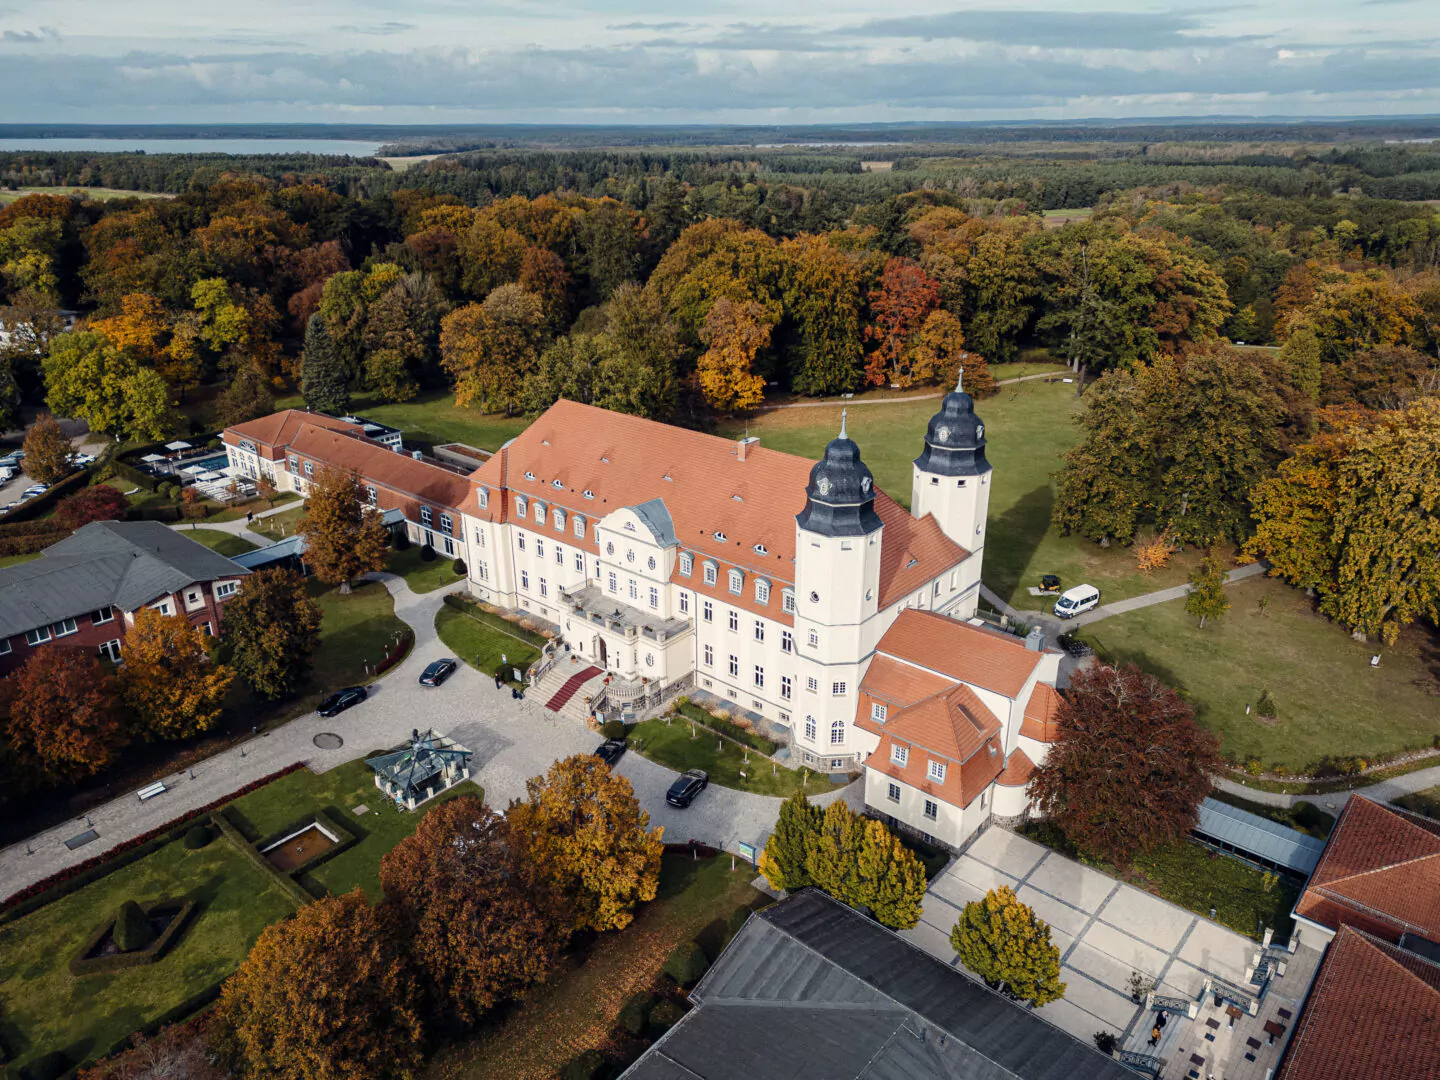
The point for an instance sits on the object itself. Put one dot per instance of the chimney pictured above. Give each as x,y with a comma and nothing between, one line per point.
744,445
1035,640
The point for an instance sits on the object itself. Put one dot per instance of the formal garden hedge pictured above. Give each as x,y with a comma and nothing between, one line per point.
344,838
731,730
284,882
397,652
28,537
85,964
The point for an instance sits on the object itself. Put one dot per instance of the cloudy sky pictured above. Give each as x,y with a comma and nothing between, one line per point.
751,61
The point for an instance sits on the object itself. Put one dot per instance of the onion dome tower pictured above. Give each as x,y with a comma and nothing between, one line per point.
840,497
952,477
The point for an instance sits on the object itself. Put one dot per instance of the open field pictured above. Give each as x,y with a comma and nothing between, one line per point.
1425,802
1330,701
577,1009
680,745
278,526
433,418
16,560
102,194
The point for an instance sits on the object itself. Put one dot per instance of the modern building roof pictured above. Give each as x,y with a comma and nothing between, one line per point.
427,756
279,428
124,564
290,547
972,654
1380,872
399,472
812,990
1268,840
1373,1014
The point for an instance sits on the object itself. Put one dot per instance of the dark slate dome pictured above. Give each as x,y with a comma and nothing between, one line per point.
955,439
840,497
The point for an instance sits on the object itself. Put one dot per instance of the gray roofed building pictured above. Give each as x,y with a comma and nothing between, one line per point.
122,564
1256,838
810,989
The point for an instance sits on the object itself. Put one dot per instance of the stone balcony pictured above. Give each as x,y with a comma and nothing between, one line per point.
595,607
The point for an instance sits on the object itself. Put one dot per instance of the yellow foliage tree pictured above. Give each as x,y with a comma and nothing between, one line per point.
735,333
1002,941
169,683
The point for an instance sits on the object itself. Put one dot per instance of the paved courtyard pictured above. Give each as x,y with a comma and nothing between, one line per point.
1105,930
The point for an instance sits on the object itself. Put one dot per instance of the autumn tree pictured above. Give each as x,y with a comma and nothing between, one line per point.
401,329
783,860
823,295
266,489
1385,377
855,859
1300,356
64,713
1355,515
899,307
1003,942
325,995
169,683
175,1052
1206,598
734,334
890,877
481,929
323,383
1129,765
88,378
99,503
271,627
247,396
489,348
344,538
1351,312
830,862
47,451
938,355
583,829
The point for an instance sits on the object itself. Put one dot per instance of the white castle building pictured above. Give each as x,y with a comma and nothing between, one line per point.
790,588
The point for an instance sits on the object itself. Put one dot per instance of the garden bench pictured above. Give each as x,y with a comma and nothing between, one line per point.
157,788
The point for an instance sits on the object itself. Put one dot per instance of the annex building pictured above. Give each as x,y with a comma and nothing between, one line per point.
793,589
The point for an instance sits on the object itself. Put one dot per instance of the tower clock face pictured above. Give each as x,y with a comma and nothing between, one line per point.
979,431
943,434
824,485
865,484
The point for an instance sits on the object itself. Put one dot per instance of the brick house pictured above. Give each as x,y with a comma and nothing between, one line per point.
84,591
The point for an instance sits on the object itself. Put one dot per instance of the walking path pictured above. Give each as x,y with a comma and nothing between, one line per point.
1334,801
848,402
513,740
239,527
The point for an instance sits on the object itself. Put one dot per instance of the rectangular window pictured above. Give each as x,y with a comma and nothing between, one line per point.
759,676
484,497
762,592
707,611
894,793
712,573
580,527
38,636
709,656
900,755
426,516
559,555
634,590
449,546
785,687
759,630
684,603
309,468
480,537
292,463
559,517
837,732
787,641
226,588
734,620
935,589
734,664
102,615
525,579
110,650
370,494
539,513
877,712
447,524
687,563
931,810
737,581
580,561
4,646
611,582
787,601
809,729
163,607
539,549
935,770
654,597
812,684
837,689
482,570
520,505
520,540
814,639
544,587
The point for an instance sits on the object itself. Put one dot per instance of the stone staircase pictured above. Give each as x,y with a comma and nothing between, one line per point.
554,680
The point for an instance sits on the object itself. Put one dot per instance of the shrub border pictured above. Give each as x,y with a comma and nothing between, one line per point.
82,963
287,884
73,878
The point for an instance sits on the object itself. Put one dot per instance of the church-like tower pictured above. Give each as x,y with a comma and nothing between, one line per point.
952,478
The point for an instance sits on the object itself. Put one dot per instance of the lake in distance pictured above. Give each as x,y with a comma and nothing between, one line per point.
197,146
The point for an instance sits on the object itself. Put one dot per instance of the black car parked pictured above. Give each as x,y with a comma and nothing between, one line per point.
437,672
611,751
341,700
683,791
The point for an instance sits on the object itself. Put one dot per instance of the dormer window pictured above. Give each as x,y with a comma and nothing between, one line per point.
539,513
556,484
787,601
580,526
762,591
520,506
483,497
935,770
588,493
559,519
687,563
529,475
737,582
720,536
712,573
761,549
877,712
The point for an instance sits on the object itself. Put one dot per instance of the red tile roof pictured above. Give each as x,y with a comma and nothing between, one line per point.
1040,722
954,724
279,428
1017,770
1380,871
897,684
984,658
427,483
1373,1014
962,782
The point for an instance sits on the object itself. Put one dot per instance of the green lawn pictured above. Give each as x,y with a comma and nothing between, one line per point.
102,194
478,638
1330,701
1021,368
44,1009
278,526
577,1010
422,576
16,560
433,418
672,745
227,544
1425,802
257,506
338,792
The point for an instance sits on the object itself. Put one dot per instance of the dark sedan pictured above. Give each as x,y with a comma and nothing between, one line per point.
437,672
341,700
611,751
683,791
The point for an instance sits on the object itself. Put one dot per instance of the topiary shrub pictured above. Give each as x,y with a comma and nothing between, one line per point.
663,1017
635,1013
458,566
427,554
1265,706
132,930
402,541
196,837
687,963
613,729
585,1067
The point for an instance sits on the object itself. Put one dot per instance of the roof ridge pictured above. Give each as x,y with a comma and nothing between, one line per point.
1382,869
1379,945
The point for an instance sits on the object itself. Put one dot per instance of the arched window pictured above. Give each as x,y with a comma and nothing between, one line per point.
837,733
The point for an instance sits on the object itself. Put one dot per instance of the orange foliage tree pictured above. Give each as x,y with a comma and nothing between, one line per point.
63,712
735,333
169,683
343,537
898,308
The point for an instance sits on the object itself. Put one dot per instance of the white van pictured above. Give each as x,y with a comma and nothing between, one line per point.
1073,601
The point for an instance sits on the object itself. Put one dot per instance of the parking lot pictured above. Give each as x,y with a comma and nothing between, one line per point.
1105,930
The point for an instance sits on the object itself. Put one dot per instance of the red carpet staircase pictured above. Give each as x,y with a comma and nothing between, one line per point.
572,685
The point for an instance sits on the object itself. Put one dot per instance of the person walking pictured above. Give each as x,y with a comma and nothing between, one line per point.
1154,1035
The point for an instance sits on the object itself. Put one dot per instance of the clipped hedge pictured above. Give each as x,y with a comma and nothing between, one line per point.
687,964
586,1066
287,884
131,475
752,739
396,652
663,1017
635,1013
31,543
85,964
73,878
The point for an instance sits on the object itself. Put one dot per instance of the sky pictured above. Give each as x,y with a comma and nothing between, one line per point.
735,61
